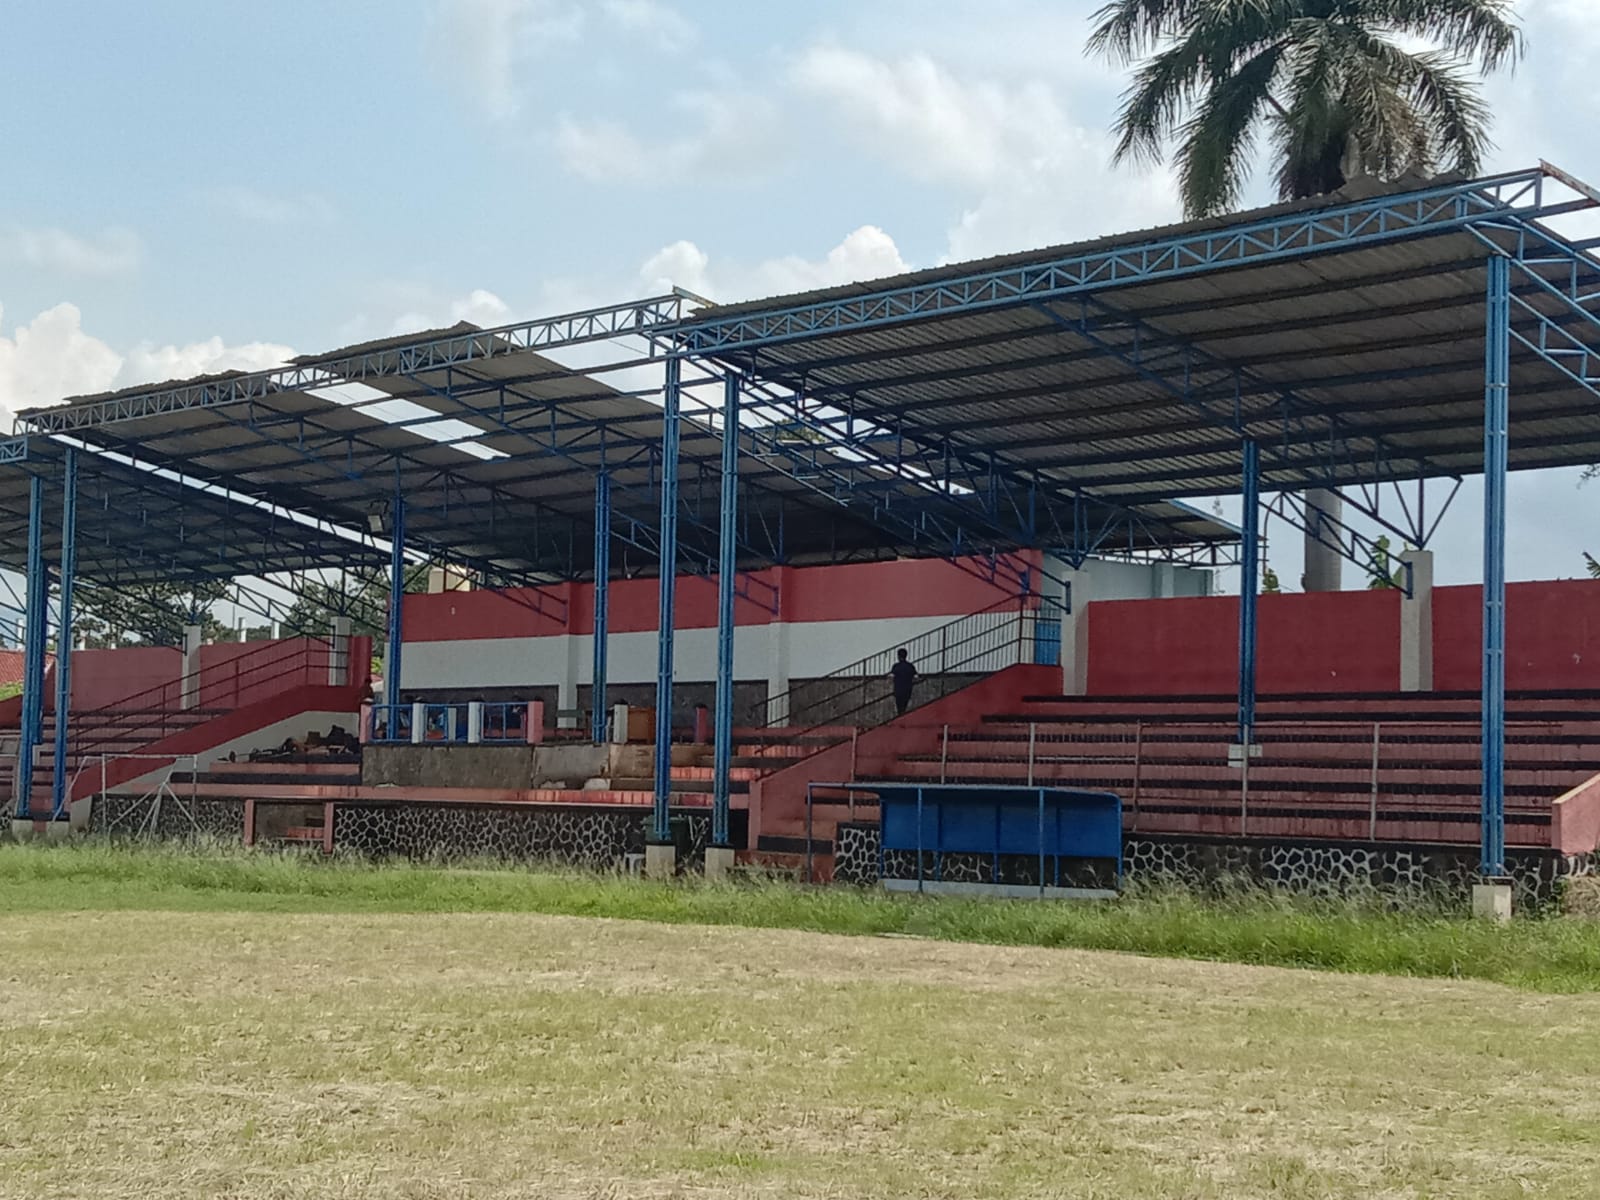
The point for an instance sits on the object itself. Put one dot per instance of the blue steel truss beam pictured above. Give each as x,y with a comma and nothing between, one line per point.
430,354
64,632
752,586
1010,504
878,492
722,737
38,604
602,605
1292,235
661,810
1496,439
397,595
1174,366
1249,590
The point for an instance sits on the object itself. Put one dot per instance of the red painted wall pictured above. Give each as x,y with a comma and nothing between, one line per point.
1336,642
233,674
858,591
105,677
1342,642
1552,636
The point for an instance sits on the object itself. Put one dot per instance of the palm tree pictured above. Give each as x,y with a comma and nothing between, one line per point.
1339,88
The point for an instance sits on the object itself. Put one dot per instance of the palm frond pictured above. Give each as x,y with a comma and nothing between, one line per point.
1216,145
1452,109
1125,29
1487,32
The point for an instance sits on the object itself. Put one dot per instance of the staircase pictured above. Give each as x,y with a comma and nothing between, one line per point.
110,737
947,658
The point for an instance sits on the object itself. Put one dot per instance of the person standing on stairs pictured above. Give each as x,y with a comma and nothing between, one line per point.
904,675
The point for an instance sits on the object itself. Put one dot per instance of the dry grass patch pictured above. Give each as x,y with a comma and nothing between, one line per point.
268,1055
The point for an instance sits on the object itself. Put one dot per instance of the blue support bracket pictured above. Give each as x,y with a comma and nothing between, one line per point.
602,600
726,624
1496,444
661,814
59,782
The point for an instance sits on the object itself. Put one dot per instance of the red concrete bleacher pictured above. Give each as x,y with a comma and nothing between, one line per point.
1168,759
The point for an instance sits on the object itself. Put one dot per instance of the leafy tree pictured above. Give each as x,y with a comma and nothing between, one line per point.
1593,567
1382,573
1336,86
151,613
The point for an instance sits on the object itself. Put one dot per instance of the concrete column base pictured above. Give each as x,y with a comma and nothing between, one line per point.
26,831
660,861
719,863
1491,899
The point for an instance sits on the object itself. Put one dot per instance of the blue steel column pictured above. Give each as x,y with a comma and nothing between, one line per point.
397,595
661,824
602,588
69,570
1249,588
727,566
1496,436
37,602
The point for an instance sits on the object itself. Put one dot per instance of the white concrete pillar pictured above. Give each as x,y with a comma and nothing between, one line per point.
777,671
567,685
1075,634
1324,564
419,722
1416,624
189,686
339,653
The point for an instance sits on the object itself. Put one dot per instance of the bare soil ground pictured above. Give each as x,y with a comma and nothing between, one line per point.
478,1055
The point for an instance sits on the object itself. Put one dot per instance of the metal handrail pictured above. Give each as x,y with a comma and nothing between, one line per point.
965,651
154,708
934,646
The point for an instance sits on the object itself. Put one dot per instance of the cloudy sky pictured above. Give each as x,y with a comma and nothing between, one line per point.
193,185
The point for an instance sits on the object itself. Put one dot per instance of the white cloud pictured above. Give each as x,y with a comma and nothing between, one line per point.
934,126
867,253
265,208
733,138
662,24
479,306
51,358
1029,172
111,252
485,44
147,363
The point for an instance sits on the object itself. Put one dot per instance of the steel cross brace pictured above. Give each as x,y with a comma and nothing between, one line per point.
1195,377
1554,341
1292,510
624,526
856,461
930,525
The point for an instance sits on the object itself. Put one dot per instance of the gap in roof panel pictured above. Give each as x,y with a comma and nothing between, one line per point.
424,422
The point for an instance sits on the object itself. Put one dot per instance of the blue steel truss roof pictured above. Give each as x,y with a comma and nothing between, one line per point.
1345,334
136,526
509,481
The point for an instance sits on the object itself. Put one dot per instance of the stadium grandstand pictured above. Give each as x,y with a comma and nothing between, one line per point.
646,569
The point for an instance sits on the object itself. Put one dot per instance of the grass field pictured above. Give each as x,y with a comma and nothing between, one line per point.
254,1027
